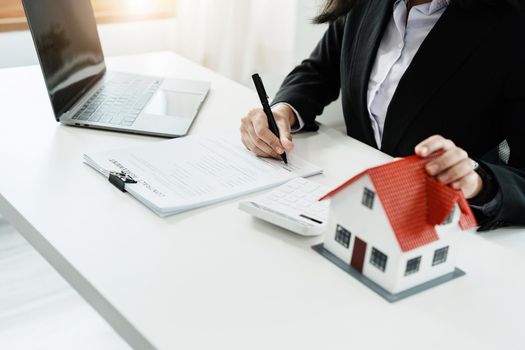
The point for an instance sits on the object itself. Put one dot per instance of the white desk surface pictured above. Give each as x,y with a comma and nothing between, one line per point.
215,278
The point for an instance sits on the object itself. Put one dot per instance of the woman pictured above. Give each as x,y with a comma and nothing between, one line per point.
420,76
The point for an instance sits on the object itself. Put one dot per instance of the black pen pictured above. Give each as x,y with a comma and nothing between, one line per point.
267,110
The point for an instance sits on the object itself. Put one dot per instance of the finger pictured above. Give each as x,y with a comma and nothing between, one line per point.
446,161
457,172
254,149
261,145
433,144
243,139
287,143
286,135
467,185
247,121
261,154
262,131
248,143
255,116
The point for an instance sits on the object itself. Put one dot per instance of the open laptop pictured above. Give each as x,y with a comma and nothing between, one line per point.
84,94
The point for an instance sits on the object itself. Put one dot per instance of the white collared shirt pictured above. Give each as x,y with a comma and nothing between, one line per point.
401,41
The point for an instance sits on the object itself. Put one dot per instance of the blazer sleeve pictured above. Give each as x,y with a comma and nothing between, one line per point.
316,82
511,178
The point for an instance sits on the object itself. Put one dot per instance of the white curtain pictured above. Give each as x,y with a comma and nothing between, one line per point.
239,37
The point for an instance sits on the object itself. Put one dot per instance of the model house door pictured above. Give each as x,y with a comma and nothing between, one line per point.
358,257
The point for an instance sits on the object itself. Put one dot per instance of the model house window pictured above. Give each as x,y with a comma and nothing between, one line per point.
342,236
413,266
440,256
378,259
368,198
449,219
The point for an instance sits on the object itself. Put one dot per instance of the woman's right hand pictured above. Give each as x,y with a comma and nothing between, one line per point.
258,138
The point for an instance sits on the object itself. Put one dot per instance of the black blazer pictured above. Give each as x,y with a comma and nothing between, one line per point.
467,83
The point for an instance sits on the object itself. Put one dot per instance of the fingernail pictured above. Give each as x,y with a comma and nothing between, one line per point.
443,178
423,151
432,169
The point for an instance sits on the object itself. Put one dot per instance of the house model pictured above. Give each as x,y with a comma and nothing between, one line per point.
391,226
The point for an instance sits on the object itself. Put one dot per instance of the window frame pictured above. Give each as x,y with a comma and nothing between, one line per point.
413,265
368,199
443,258
450,217
343,236
378,259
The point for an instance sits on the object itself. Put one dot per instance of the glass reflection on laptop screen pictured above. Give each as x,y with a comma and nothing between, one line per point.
68,47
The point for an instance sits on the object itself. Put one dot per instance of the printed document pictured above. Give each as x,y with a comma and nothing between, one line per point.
195,171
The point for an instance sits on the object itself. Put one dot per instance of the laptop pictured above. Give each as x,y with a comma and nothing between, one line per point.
84,94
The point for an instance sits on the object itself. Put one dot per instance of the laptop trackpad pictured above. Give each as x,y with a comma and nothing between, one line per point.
167,102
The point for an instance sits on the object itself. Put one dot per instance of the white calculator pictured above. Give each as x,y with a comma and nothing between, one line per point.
294,206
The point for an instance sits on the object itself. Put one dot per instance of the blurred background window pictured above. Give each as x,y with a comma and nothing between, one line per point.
106,11
232,37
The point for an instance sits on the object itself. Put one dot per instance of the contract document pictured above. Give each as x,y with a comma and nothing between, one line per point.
195,171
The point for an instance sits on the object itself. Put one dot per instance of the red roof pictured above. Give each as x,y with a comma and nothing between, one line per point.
414,201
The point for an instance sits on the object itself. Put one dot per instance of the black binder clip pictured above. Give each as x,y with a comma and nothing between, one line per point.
119,180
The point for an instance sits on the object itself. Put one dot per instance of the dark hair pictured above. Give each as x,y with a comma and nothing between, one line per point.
334,9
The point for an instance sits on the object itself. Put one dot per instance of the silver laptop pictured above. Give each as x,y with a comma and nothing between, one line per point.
84,94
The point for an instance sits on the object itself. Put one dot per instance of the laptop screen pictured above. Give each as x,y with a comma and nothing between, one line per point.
68,47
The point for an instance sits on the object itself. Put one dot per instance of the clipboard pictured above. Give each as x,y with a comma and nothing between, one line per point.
120,180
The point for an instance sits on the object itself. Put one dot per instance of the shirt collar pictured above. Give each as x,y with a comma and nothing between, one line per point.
438,5
429,8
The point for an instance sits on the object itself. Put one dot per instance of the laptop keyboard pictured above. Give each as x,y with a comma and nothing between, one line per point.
119,101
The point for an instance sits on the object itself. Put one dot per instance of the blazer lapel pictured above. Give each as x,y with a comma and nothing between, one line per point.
367,42
446,48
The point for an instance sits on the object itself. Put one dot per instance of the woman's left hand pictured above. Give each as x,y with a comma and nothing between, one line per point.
453,167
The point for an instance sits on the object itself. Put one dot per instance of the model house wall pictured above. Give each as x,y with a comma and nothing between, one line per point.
371,225
427,271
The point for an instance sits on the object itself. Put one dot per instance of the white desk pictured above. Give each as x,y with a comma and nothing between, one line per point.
215,278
